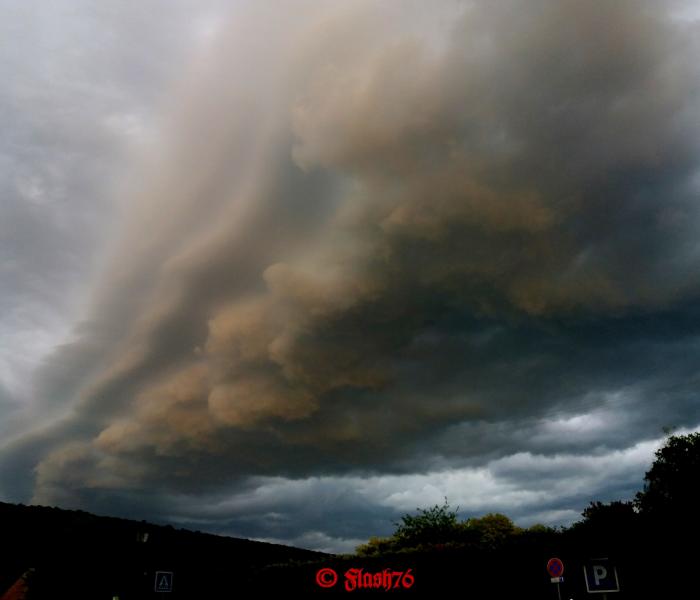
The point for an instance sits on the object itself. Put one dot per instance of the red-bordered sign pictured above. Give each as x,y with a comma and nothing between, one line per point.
555,567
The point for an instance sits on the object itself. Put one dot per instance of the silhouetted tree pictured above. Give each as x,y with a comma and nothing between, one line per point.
438,528
430,526
609,516
491,530
672,485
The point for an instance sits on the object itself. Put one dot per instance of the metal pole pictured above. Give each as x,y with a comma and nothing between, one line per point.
559,592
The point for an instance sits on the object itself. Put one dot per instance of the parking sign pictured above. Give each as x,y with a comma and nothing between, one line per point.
601,576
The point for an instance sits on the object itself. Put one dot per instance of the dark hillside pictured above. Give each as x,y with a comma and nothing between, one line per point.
74,554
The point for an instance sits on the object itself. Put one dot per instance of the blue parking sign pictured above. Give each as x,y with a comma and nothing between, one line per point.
601,576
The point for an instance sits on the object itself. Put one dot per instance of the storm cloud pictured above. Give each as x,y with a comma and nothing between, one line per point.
385,243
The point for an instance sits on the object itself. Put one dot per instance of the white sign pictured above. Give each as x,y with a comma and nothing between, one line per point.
164,581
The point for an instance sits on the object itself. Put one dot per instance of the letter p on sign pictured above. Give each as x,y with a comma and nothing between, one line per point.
599,573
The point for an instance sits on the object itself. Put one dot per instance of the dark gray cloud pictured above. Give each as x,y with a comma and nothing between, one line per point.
374,243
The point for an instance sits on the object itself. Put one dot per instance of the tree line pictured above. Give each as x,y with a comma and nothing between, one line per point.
668,504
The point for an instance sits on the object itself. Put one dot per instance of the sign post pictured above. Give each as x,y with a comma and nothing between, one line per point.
555,568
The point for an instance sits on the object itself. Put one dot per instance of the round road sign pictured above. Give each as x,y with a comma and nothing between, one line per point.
555,567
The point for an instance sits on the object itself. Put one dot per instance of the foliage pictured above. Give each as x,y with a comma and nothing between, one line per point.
609,525
540,529
435,525
437,528
491,530
605,516
672,485
376,546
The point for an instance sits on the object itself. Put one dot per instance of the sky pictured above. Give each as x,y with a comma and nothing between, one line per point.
289,271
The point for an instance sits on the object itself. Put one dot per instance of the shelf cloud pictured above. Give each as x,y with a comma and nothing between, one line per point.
379,242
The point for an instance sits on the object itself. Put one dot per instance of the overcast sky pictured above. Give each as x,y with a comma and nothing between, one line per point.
290,270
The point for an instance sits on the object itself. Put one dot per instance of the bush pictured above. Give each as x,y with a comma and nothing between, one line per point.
376,546
437,528
491,530
436,525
